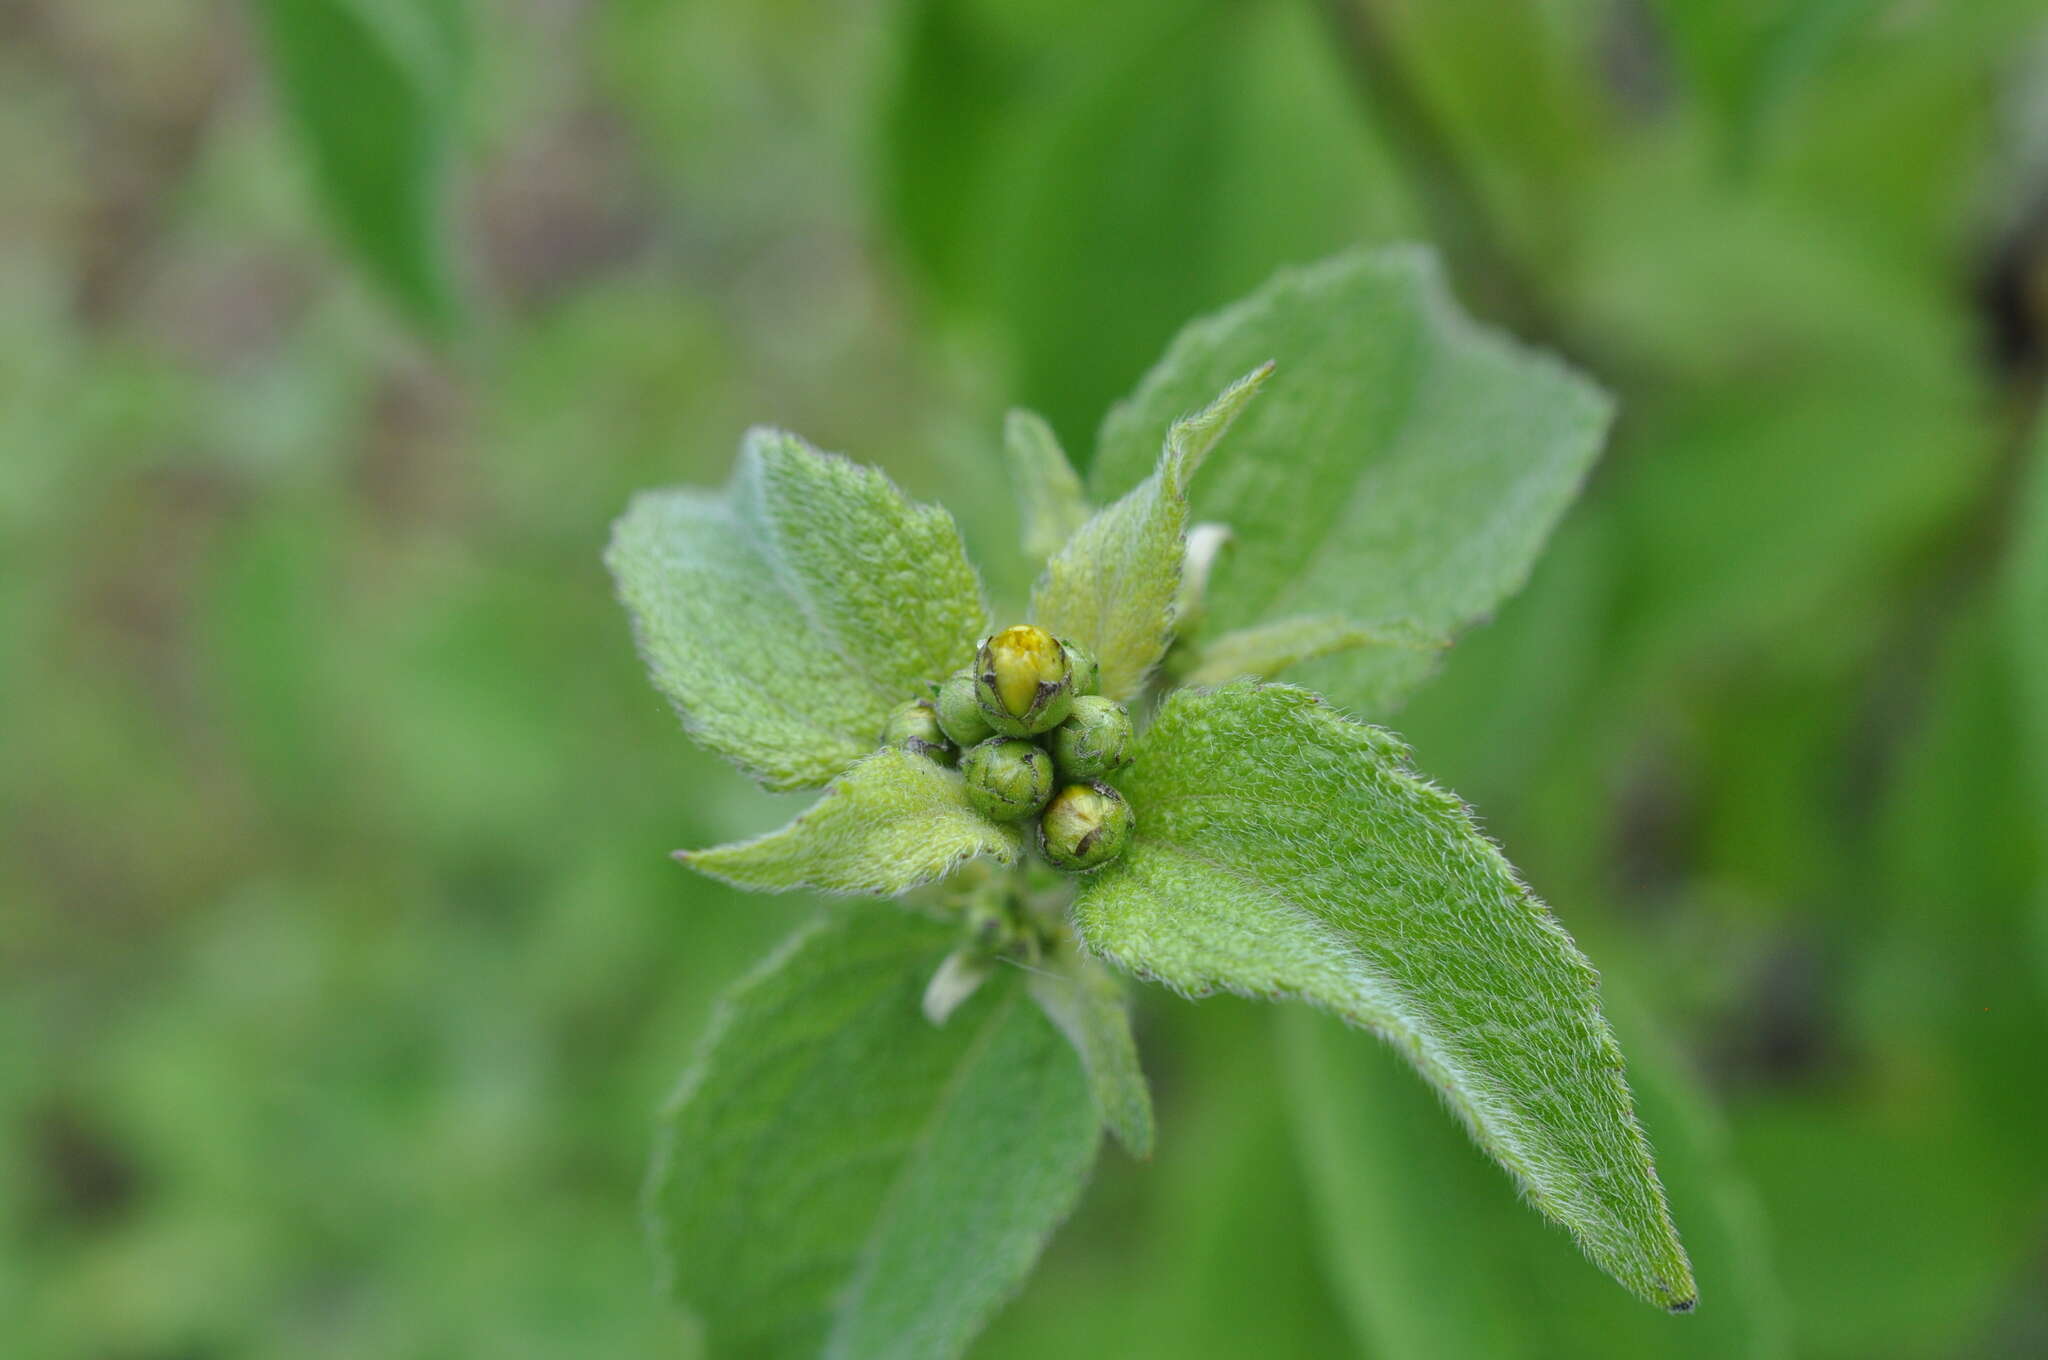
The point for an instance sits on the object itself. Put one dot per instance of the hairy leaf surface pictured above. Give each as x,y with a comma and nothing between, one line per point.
1113,586
1403,468
787,615
1285,852
841,1177
894,821
1400,1208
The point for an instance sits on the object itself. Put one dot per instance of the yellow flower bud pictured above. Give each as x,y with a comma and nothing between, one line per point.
1023,680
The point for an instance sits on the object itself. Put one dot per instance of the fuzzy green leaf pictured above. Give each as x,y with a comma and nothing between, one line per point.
1113,586
1285,852
894,821
1048,492
1400,1209
1403,469
787,615
1086,1003
369,87
839,1176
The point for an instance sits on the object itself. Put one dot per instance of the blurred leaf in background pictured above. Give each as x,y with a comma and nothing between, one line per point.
372,88
1078,179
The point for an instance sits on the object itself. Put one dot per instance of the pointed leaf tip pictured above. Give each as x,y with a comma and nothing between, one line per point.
1333,874
1115,585
1189,439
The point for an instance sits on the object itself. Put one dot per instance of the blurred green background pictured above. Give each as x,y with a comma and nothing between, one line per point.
342,970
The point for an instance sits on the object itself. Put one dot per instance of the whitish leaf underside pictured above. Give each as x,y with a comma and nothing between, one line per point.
1084,1000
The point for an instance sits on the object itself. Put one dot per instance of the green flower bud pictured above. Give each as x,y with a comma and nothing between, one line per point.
1007,779
915,727
1085,827
960,714
1094,740
1023,681
1087,671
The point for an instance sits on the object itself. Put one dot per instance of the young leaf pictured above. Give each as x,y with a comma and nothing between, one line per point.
841,1176
1112,587
1048,492
1405,468
368,87
1283,851
1083,1000
892,822
786,616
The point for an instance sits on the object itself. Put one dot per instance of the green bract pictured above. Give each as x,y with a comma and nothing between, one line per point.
959,711
1378,472
915,727
1007,778
1087,670
1085,826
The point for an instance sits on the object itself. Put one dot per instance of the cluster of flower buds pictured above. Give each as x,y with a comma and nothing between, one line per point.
1032,739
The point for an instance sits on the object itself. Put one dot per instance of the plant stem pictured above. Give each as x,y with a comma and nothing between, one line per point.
1452,204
